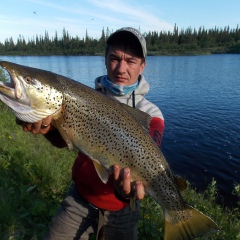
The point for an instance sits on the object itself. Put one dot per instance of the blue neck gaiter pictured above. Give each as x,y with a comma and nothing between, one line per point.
117,89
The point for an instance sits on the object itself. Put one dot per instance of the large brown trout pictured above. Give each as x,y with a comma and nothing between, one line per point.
109,133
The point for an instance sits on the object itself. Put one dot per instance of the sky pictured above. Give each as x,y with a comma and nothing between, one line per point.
29,18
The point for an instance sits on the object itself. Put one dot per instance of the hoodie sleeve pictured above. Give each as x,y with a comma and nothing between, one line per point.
55,139
157,129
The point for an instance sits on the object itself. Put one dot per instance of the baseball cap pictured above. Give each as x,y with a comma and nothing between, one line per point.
135,33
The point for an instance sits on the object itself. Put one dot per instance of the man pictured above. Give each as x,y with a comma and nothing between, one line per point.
92,206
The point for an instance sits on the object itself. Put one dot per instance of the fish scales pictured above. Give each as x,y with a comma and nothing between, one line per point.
109,133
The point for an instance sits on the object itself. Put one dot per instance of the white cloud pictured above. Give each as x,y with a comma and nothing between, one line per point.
124,14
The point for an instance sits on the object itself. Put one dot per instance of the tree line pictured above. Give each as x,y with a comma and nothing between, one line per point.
183,41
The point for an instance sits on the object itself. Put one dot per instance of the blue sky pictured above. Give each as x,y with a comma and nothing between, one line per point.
33,17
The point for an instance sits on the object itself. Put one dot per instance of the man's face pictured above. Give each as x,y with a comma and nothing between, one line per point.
123,66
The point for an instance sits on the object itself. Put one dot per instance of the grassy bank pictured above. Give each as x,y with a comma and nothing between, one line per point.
35,176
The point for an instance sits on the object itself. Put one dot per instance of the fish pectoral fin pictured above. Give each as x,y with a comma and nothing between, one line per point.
187,224
181,183
102,172
63,133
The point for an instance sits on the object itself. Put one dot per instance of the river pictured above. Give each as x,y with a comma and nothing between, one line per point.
200,100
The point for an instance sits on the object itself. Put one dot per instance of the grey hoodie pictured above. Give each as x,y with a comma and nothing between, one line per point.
141,102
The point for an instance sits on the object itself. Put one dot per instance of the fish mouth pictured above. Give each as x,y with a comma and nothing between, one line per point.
13,93
8,88
12,89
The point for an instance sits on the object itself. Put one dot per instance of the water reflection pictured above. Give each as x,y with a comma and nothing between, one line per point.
199,97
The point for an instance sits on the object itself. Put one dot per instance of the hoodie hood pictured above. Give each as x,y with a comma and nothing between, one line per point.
141,102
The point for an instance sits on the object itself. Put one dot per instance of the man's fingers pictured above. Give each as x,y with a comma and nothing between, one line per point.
36,127
46,122
122,180
116,172
139,188
42,126
27,127
123,184
126,186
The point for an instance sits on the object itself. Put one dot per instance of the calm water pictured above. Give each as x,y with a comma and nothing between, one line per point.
200,99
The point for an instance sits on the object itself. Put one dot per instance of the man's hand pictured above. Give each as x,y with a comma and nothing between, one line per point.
43,126
124,186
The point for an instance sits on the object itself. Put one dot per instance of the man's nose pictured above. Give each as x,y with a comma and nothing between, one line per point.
122,66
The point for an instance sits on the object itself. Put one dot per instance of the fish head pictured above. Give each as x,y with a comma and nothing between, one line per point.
30,93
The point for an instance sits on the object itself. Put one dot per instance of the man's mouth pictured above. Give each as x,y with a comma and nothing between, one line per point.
121,79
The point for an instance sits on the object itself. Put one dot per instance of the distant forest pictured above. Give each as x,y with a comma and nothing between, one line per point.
178,42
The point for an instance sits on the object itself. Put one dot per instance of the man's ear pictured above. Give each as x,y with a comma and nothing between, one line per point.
142,67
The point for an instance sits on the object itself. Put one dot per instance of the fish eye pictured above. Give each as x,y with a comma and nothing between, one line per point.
28,79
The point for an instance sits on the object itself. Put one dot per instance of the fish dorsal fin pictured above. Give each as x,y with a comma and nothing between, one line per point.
181,183
141,117
101,171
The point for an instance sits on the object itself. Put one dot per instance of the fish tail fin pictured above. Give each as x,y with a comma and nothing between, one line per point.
187,224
